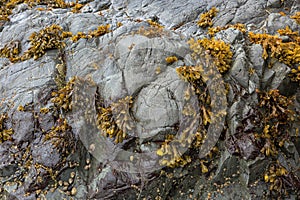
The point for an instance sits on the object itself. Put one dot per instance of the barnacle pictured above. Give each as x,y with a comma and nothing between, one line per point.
115,119
217,48
241,27
63,97
286,52
171,59
206,18
5,134
296,17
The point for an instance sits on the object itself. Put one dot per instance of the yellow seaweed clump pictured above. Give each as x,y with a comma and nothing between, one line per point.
286,52
295,74
76,8
189,73
213,30
11,50
5,134
275,175
276,117
154,30
216,48
101,30
63,97
296,17
174,159
8,5
171,59
154,24
115,119
206,18
59,136
50,37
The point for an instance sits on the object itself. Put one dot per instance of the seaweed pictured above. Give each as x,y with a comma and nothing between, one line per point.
213,30
114,119
296,17
206,18
62,99
286,52
216,48
101,30
277,116
5,134
171,59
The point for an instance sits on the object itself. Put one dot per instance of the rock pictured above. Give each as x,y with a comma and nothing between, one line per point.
23,126
7,165
229,36
97,5
130,61
255,57
250,12
276,21
274,76
274,3
239,70
45,153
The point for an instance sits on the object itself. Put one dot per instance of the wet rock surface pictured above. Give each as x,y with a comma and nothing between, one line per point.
48,133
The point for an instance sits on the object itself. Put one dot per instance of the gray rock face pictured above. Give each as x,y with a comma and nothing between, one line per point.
130,60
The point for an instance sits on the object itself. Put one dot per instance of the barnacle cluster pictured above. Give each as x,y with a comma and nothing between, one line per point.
5,134
286,52
213,30
171,59
216,48
296,17
101,30
276,114
11,50
63,97
115,119
206,18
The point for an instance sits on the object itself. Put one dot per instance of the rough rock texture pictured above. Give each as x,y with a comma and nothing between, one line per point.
45,158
